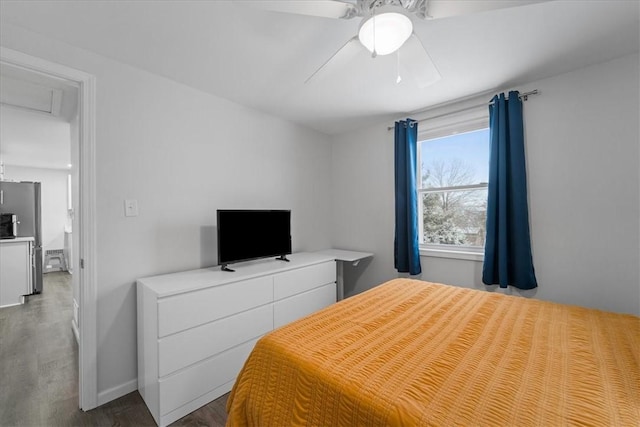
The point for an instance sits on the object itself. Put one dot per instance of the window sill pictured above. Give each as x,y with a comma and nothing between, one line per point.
453,254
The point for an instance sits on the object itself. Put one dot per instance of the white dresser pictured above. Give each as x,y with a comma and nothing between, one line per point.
196,328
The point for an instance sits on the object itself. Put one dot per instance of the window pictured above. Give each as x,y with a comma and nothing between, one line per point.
452,187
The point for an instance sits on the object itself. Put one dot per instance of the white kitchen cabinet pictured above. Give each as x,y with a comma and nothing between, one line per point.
196,328
15,270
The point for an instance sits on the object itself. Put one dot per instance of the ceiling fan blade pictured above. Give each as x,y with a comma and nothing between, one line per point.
444,8
323,8
416,63
341,57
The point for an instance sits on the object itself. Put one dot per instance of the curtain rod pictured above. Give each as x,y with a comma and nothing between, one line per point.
523,96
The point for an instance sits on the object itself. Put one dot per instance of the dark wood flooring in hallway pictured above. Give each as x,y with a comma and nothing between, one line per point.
39,370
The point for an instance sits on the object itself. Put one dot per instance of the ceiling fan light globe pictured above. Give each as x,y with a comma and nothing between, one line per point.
392,29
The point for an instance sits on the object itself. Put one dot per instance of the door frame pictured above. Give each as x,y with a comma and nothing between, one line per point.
86,253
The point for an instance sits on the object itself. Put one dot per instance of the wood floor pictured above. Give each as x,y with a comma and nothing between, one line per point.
39,370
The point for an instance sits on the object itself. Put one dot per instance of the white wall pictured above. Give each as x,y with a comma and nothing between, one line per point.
363,204
53,201
582,141
34,139
182,154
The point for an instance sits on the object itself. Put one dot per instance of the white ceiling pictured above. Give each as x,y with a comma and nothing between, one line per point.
261,59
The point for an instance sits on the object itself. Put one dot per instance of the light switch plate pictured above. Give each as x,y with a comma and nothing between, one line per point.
131,207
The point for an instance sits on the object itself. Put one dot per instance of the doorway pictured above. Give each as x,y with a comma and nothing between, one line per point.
83,254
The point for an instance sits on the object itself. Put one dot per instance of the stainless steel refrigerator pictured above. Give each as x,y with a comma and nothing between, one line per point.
23,200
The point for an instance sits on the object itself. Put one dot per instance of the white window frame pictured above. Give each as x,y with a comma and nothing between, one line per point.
444,126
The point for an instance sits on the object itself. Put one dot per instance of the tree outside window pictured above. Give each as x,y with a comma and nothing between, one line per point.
453,188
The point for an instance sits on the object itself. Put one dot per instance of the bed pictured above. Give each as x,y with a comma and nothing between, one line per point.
416,353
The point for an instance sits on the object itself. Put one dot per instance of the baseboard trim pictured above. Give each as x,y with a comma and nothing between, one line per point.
76,333
117,391
13,305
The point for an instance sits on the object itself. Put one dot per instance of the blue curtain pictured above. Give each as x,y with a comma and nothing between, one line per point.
507,252
405,248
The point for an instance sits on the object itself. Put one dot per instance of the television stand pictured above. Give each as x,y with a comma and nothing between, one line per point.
283,258
197,328
225,268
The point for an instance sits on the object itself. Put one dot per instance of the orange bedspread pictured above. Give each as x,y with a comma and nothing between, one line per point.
415,353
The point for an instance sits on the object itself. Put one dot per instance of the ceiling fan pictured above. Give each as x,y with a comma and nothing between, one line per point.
386,27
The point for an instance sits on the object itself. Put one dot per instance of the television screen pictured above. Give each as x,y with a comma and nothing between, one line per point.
251,234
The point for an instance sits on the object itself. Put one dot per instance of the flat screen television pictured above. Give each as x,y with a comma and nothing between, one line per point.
245,235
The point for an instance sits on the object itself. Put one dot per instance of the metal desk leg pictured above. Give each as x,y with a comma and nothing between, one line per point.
340,281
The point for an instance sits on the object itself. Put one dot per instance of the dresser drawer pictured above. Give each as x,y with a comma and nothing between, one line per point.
297,281
193,345
297,306
180,312
184,386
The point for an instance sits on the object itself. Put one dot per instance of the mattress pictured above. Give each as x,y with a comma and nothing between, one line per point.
416,353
